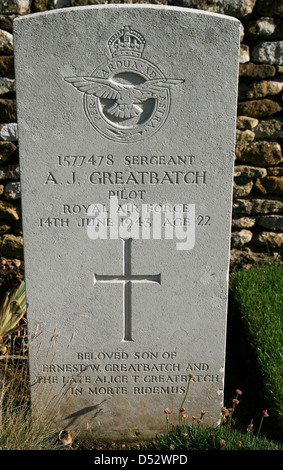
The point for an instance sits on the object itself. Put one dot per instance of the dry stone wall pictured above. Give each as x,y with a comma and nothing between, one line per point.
257,226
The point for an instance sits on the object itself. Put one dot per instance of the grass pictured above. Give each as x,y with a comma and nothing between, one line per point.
195,437
225,436
258,295
19,429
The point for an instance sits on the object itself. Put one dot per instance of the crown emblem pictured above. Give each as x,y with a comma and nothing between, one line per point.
126,42
127,98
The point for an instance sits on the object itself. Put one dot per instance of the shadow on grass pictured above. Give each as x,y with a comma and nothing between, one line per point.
242,373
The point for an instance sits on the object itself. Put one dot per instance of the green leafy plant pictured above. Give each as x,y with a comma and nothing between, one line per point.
12,311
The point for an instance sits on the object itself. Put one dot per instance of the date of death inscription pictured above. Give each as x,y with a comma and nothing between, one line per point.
118,373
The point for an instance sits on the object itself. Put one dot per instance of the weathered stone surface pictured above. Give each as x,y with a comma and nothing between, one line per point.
6,42
243,138
9,131
242,33
4,226
257,71
272,239
275,171
9,172
154,2
243,222
269,129
8,112
268,52
6,22
271,222
75,3
47,5
7,66
260,89
10,7
11,246
241,238
247,256
8,211
249,171
7,85
242,186
237,8
259,108
257,206
244,54
7,151
271,28
246,123
270,185
13,191
269,7
44,5
261,153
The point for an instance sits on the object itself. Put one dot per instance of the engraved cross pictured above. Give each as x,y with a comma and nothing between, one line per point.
127,278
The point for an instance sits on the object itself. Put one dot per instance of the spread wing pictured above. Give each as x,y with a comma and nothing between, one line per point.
96,86
104,88
151,88
127,97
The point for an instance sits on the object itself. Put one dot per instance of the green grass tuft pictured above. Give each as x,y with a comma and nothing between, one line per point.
201,438
258,293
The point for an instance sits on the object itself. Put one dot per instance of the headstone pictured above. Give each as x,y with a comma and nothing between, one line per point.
126,119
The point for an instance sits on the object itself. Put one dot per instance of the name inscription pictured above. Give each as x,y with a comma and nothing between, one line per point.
127,176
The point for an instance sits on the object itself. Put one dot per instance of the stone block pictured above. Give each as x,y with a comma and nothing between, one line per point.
259,108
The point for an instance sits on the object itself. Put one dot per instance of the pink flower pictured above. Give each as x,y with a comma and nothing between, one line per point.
265,414
167,411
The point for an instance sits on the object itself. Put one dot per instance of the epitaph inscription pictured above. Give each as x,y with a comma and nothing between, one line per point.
126,139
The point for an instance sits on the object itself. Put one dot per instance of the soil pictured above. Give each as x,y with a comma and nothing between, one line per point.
89,444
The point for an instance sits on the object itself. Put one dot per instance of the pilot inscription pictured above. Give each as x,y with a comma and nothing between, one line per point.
127,98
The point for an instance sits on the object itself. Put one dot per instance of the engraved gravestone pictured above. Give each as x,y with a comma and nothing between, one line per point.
126,117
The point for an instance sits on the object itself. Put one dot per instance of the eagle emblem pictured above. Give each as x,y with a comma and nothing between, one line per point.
126,98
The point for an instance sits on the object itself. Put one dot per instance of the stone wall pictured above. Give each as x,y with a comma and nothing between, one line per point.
258,184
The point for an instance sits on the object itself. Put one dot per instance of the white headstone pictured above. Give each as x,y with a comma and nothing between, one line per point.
126,120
